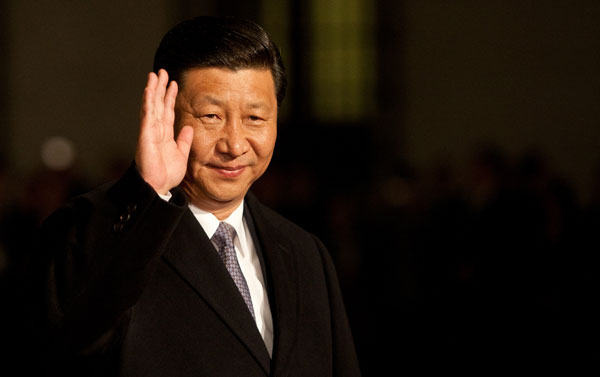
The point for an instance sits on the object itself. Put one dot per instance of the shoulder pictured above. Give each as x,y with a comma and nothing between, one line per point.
277,223
272,226
117,202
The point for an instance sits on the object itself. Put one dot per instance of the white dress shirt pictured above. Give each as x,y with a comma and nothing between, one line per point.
249,264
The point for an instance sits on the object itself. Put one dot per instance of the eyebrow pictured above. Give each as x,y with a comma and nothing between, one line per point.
210,99
259,105
218,102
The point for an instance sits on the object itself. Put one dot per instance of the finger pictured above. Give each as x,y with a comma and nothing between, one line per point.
169,108
184,140
170,95
161,87
152,80
147,107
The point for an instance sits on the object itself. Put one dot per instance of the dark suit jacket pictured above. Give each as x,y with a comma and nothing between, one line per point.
135,288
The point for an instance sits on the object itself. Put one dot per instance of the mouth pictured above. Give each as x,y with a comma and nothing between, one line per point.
228,171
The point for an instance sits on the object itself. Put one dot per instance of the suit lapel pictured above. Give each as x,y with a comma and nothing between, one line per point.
283,280
193,256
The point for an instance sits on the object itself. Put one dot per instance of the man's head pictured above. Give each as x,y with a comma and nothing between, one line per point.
230,43
231,82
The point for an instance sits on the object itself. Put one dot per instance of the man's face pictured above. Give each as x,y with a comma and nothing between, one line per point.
234,117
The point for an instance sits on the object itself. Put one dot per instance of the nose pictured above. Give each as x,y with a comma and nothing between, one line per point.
233,140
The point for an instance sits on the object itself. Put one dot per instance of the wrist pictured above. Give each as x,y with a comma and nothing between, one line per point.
166,197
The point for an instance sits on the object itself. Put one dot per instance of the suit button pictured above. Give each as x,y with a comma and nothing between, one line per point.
118,227
125,217
131,208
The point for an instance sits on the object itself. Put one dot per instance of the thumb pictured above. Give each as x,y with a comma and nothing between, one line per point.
184,140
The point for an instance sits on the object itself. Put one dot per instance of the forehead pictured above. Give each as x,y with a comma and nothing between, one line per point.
226,84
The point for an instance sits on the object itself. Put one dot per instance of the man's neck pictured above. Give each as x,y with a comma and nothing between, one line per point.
221,210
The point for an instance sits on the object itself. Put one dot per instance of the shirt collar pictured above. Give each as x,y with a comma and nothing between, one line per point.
210,223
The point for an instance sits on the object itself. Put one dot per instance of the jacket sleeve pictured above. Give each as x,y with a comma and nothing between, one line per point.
345,361
100,251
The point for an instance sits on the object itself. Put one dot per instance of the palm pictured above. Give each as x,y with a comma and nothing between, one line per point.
161,159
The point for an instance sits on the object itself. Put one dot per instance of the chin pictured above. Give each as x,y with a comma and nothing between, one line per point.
226,197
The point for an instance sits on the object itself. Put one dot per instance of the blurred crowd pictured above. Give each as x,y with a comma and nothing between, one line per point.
490,266
496,263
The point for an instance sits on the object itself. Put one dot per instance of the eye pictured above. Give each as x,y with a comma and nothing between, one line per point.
210,118
255,119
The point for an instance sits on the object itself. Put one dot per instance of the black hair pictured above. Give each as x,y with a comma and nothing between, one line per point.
219,42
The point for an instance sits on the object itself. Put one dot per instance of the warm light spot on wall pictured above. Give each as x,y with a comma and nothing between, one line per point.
58,153
342,55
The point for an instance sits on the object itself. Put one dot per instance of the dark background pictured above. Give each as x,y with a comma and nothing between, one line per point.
446,152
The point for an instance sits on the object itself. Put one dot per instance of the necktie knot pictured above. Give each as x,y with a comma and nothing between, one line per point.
223,237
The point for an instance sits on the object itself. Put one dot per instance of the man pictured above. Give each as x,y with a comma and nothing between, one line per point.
176,269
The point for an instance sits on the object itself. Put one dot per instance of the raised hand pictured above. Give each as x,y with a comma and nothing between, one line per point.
160,158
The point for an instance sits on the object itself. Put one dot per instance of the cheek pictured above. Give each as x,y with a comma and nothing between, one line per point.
200,149
265,143
204,141
182,118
